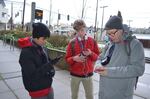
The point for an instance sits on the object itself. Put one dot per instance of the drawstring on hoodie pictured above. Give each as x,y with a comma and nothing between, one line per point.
82,46
41,51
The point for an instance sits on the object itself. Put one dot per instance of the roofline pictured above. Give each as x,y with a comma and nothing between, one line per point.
3,3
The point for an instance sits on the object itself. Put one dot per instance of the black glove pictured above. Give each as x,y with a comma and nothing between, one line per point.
48,70
51,71
54,61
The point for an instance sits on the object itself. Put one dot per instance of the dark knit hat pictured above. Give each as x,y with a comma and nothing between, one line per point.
114,22
40,30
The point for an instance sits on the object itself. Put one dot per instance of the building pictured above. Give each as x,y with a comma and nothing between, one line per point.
62,29
141,30
144,38
3,15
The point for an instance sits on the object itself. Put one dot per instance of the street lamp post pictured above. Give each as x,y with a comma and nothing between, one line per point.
23,14
58,18
50,13
129,22
95,28
11,20
33,6
103,7
85,12
82,10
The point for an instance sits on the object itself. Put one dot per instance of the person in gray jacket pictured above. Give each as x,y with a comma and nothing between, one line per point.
122,62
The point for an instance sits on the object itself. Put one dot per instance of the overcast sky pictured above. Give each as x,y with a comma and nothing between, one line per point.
138,11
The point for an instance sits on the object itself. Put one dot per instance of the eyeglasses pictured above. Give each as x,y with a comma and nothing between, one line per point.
110,33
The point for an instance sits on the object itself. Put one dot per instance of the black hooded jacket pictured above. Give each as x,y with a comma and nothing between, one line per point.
36,66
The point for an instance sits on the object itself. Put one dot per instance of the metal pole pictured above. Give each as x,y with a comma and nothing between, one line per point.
95,28
50,13
82,10
86,11
32,14
23,14
58,20
129,22
102,20
11,16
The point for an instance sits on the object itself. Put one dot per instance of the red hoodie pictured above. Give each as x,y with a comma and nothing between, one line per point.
24,42
81,69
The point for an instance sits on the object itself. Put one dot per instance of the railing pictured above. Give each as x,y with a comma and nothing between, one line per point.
10,40
147,59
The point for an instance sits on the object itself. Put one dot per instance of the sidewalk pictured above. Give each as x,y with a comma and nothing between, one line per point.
11,86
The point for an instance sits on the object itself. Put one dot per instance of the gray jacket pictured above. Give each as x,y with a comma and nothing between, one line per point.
122,72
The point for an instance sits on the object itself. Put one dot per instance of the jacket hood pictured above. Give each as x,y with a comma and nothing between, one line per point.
24,42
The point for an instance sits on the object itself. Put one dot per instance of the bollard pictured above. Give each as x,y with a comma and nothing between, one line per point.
13,42
10,42
4,40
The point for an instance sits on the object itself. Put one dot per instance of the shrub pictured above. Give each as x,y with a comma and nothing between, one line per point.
15,33
2,32
20,34
58,41
55,41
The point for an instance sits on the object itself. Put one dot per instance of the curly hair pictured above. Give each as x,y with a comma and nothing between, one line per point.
78,24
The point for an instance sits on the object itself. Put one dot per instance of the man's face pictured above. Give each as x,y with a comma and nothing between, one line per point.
115,35
40,41
82,32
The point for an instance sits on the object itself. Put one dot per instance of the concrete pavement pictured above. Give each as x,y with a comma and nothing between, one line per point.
11,86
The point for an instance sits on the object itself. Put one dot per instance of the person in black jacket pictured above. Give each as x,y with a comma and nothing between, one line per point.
36,66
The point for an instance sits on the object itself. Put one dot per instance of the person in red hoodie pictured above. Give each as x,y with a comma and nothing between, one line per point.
36,66
82,52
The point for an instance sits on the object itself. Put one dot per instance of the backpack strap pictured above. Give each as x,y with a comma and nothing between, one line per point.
128,45
72,47
128,50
